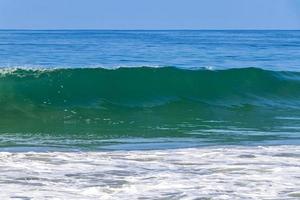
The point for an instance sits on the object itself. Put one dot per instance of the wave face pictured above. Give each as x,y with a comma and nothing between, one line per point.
147,87
147,101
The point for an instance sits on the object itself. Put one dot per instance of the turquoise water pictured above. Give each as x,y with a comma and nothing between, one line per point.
149,114
166,107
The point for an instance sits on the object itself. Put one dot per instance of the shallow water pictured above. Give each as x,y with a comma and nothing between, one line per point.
206,173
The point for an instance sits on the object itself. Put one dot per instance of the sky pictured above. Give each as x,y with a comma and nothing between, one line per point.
150,14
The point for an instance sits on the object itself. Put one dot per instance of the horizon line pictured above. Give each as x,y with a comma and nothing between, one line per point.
104,29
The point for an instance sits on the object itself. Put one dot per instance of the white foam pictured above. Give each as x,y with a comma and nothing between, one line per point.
214,172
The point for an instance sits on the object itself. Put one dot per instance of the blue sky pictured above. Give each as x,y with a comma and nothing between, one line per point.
149,14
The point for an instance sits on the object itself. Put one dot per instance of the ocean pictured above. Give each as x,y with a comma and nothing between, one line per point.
90,114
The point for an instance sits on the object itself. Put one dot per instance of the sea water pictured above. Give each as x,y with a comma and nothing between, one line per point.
149,114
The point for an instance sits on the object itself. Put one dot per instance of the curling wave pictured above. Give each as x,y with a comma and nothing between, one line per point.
60,97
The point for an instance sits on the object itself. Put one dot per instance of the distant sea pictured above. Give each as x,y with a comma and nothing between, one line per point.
149,114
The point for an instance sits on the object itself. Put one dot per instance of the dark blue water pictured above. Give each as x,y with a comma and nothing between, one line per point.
274,50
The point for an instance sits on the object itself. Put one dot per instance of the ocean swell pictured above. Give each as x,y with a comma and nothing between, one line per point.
102,99
147,87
